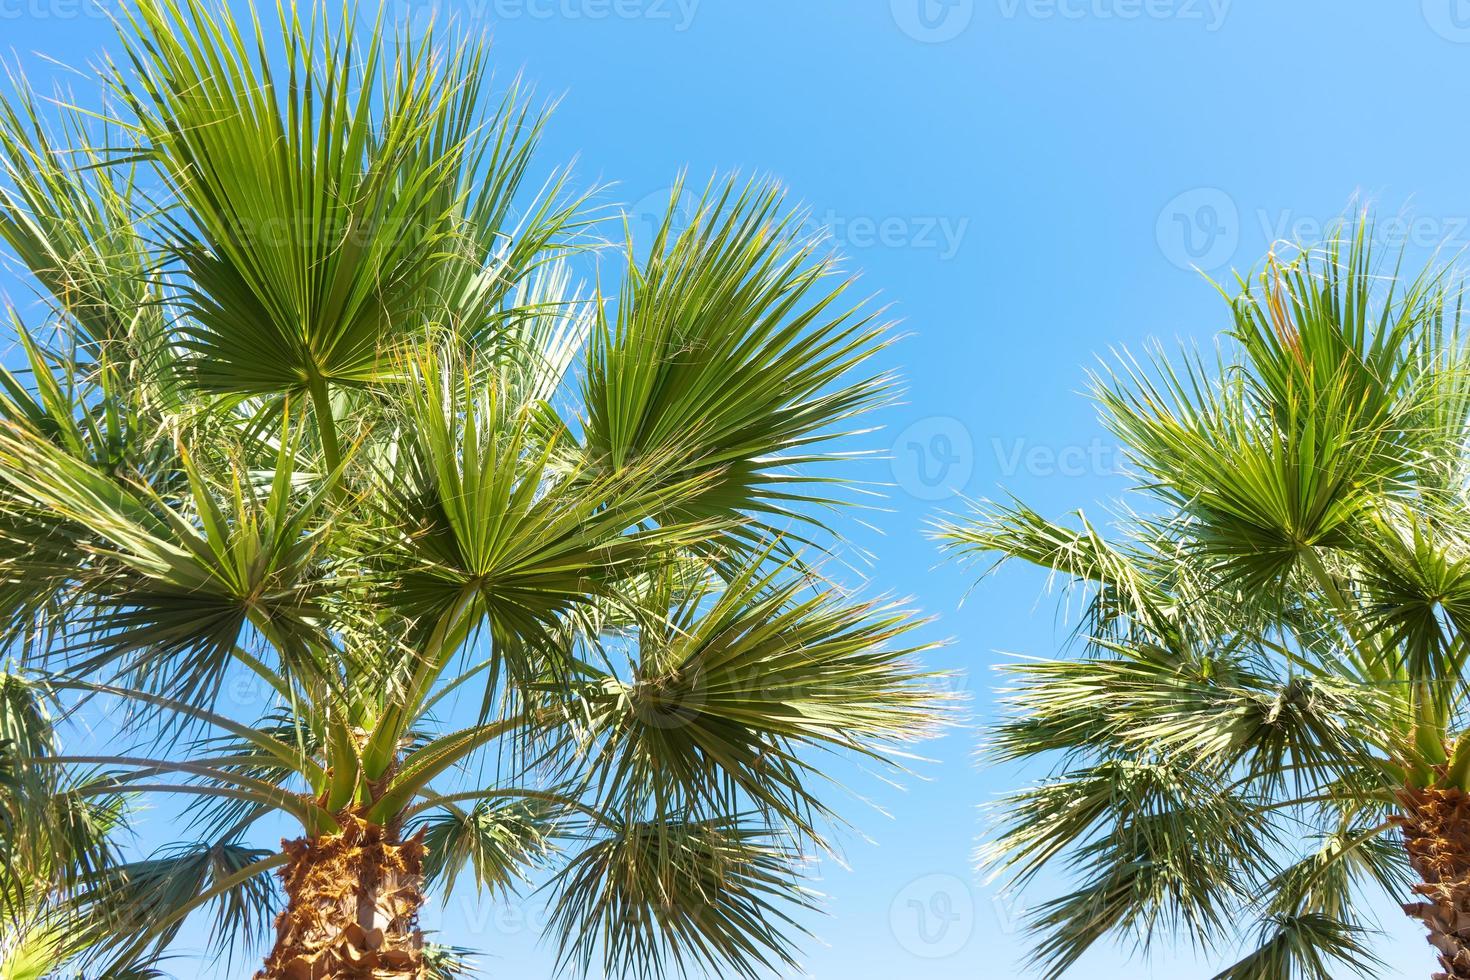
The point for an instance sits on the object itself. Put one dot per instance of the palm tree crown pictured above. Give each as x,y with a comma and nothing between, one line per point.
1268,724
317,401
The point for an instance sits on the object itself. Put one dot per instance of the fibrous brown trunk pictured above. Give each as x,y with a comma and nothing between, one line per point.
352,907
1437,836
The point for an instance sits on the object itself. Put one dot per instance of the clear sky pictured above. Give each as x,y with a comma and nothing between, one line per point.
1028,183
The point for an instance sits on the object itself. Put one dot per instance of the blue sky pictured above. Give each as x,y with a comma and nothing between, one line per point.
1028,183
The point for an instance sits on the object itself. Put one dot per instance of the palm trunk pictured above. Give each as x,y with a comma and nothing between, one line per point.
1437,836
352,907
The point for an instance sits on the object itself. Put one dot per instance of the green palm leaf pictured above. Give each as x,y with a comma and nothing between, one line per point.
650,900
732,351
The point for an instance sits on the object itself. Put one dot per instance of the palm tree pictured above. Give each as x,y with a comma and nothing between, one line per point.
532,576
1267,725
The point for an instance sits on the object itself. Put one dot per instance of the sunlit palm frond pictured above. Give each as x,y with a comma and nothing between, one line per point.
732,349
173,586
131,911
500,843
483,523
648,901
71,215
1309,946
729,687
1154,848
305,246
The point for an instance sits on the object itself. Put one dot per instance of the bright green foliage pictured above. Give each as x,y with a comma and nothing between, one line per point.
1274,636
515,563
